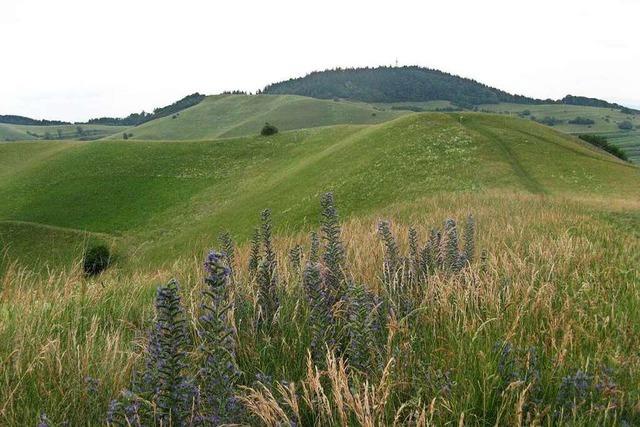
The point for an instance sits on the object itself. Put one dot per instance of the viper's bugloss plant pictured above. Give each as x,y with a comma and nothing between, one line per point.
267,274
363,350
392,260
228,251
295,257
449,245
166,394
314,251
218,372
175,392
321,319
469,238
254,256
334,255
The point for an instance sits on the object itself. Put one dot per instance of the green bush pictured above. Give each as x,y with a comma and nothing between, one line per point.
581,121
268,129
96,259
625,125
549,121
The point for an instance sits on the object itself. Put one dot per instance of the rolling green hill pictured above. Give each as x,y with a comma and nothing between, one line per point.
222,116
162,199
11,132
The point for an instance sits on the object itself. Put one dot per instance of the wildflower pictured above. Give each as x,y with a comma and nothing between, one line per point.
334,256
218,372
254,257
321,320
295,257
267,278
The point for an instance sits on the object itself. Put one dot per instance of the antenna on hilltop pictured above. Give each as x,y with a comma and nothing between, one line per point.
396,61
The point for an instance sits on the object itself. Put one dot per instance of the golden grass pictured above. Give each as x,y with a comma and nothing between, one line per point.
561,275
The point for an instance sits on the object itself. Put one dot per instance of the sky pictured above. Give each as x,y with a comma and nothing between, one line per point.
77,59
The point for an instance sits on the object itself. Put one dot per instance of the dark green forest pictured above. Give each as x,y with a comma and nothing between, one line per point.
395,84
410,83
136,119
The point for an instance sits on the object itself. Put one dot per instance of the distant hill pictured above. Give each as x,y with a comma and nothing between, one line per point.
395,84
136,119
21,120
412,84
223,116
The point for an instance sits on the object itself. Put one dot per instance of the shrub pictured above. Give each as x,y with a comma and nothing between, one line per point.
96,259
549,121
268,129
601,142
581,121
625,125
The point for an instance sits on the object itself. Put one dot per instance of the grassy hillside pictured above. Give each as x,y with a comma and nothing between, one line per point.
222,116
606,122
10,132
175,197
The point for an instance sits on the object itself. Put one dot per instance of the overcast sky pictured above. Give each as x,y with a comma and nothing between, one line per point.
77,59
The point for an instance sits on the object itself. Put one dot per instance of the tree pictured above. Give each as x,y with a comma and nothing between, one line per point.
268,129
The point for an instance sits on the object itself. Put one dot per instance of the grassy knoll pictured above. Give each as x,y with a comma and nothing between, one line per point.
237,115
544,331
10,132
158,199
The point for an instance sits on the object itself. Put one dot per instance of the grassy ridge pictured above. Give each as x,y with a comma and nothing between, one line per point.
175,197
224,116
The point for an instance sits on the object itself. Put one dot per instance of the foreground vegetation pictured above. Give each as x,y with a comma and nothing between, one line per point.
543,329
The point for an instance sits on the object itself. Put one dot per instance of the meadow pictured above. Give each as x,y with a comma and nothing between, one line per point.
540,326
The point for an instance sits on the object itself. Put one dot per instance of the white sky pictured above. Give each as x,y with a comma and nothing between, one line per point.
77,59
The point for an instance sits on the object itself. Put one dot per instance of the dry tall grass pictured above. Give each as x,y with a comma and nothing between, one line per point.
561,276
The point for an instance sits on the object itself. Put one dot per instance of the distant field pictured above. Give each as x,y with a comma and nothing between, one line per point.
28,132
606,122
175,197
223,116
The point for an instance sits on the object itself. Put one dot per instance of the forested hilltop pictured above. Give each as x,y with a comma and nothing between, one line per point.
410,83
394,84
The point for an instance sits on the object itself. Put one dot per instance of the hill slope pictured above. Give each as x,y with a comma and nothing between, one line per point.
605,120
160,198
235,115
14,132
